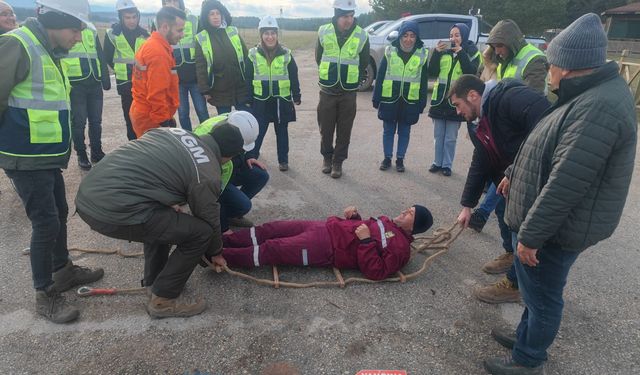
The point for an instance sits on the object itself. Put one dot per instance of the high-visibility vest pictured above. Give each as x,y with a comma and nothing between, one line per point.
124,56
82,60
449,73
36,122
340,65
185,51
205,128
518,64
205,43
403,80
271,80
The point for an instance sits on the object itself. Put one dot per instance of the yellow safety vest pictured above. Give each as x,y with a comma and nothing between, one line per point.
205,128
340,65
518,64
271,80
36,122
124,57
205,43
185,51
82,60
400,79
449,73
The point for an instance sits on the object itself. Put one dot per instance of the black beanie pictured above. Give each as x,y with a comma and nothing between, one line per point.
55,20
229,140
422,220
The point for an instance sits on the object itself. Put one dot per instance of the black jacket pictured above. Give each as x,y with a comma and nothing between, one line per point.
513,110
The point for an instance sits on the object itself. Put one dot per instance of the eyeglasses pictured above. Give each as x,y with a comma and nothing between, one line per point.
7,14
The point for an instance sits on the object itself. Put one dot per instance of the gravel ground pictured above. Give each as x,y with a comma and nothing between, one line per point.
430,325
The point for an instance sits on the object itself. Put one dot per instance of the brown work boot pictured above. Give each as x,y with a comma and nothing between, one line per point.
71,275
160,307
53,306
500,292
499,265
326,166
336,170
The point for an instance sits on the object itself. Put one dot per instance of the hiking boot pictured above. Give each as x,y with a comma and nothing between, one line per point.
242,222
386,164
507,366
96,156
477,221
326,166
499,265
400,165
336,170
434,168
160,307
53,306
500,292
83,161
504,336
283,167
71,275
446,171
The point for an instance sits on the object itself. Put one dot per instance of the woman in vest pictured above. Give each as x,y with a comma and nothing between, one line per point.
273,76
448,63
220,59
401,91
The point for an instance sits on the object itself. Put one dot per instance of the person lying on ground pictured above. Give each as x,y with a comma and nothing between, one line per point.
378,247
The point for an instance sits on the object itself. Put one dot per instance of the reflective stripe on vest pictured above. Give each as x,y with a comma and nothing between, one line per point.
205,128
449,73
406,76
516,67
340,65
207,49
124,56
383,238
82,60
185,51
271,80
31,125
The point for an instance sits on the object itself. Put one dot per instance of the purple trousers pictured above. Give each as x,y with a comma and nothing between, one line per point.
291,243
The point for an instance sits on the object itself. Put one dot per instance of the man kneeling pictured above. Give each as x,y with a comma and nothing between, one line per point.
378,247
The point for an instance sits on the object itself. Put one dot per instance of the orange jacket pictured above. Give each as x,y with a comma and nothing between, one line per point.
155,85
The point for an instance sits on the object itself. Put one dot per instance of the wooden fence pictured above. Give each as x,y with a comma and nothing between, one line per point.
630,71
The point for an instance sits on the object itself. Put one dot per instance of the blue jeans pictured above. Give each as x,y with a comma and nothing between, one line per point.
199,104
445,134
43,197
541,288
236,202
491,199
509,243
86,103
389,130
282,140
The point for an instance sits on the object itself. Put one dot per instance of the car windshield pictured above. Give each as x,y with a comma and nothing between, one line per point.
389,27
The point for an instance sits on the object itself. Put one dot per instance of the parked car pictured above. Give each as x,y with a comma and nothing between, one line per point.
371,29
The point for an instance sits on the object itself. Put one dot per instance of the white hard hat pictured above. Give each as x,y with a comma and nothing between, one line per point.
248,126
125,4
268,22
345,4
77,8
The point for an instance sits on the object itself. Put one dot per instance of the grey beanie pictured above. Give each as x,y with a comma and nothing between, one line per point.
582,45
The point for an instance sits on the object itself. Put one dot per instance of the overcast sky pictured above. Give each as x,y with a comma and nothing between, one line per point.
258,8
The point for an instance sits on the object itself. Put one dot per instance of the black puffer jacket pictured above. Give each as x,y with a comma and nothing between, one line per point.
513,110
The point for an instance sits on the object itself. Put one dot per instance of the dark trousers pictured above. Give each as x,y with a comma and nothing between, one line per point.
239,107
199,104
86,103
291,243
236,202
127,100
167,273
282,140
541,288
336,114
507,240
43,196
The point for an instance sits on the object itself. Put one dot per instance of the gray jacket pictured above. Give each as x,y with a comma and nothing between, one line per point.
570,179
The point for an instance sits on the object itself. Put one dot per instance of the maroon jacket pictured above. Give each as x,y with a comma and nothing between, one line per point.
377,259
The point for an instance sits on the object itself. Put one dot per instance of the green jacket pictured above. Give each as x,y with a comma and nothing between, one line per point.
165,167
570,178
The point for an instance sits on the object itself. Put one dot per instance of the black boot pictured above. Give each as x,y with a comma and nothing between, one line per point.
386,164
96,156
504,336
400,165
507,366
83,160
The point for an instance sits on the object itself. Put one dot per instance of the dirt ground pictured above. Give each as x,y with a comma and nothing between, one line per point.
430,325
